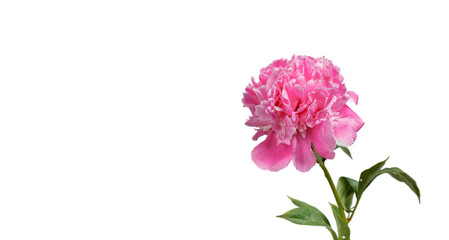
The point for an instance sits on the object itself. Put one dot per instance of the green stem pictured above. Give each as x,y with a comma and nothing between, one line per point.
334,190
353,211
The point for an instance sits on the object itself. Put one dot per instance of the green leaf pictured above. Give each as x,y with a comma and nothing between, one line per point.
305,214
342,224
346,188
345,150
367,177
401,176
334,235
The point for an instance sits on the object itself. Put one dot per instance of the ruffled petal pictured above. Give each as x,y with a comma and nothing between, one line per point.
345,132
353,97
303,158
347,126
322,136
346,112
269,155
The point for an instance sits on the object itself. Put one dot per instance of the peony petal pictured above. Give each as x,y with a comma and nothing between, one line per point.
323,139
347,126
269,155
258,134
345,132
353,97
346,112
303,158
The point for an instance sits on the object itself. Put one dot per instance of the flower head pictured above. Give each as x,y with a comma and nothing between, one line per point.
296,103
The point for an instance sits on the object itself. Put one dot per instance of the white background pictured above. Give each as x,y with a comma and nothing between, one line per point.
123,119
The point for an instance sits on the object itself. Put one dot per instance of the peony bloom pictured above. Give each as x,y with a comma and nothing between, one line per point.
297,103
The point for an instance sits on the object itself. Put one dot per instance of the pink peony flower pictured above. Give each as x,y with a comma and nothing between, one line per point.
297,103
